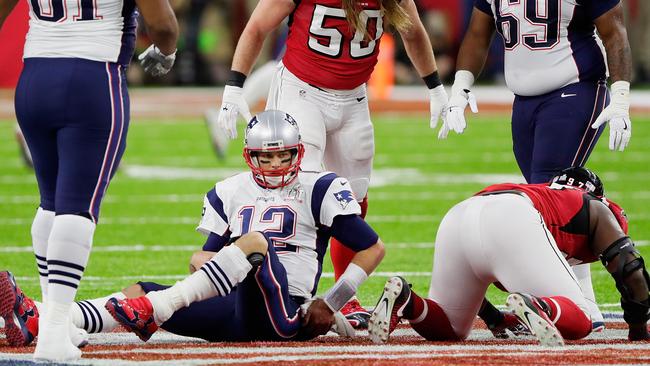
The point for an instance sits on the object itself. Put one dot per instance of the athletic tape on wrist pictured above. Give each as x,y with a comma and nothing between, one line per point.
345,287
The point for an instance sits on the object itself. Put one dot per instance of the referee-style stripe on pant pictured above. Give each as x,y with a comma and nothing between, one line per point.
285,326
114,74
589,137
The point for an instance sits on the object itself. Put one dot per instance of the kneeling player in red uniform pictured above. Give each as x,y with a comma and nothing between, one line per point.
525,237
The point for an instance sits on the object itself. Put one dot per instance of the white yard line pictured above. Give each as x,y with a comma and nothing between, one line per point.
334,352
194,220
127,248
433,195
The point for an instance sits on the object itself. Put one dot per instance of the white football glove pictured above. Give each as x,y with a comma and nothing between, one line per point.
437,103
341,325
155,62
617,114
460,98
232,104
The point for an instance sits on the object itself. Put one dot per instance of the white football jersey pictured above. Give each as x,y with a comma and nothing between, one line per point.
549,44
98,30
293,217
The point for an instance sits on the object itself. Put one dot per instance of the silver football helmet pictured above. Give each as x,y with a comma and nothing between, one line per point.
270,131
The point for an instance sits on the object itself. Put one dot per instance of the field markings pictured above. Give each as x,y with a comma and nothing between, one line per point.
380,177
169,349
127,248
193,220
433,195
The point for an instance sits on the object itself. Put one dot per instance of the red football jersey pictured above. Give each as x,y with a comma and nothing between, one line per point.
323,51
566,214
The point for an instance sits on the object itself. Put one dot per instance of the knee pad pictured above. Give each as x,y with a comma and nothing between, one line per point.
629,263
364,146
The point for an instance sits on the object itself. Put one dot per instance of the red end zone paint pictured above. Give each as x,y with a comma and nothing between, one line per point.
404,348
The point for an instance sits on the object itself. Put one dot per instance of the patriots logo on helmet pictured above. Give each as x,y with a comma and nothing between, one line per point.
344,197
290,119
252,123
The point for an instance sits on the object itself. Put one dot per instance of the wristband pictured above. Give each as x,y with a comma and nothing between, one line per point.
345,288
432,80
236,78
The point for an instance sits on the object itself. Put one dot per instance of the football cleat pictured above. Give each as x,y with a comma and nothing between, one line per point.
18,311
534,313
389,309
136,315
356,315
509,324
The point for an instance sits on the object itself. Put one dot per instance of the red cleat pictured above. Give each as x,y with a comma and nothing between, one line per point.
356,315
19,312
136,315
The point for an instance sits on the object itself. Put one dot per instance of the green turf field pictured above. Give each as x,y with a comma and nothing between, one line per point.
155,200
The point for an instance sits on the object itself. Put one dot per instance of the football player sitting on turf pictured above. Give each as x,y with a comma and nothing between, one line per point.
258,274
523,237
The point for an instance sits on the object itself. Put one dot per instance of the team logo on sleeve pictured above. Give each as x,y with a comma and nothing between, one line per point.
344,197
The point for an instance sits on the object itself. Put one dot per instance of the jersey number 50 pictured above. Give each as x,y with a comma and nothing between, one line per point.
58,11
510,26
359,47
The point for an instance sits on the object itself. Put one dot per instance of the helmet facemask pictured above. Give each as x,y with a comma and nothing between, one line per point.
274,178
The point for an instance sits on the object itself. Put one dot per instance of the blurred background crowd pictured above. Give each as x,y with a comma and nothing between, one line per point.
210,29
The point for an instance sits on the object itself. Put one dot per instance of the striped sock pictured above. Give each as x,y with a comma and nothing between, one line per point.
41,227
67,255
226,269
92,316
216,277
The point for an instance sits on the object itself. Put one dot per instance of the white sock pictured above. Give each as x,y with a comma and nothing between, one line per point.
41,227
67,255
216,277
583,273
92,316
54,343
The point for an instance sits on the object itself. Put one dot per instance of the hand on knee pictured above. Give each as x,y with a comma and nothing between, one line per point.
199,258
253,242
133,291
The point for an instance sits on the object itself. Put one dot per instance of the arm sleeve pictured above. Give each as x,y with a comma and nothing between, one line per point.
596,8
483,6
216,242
213,219
353,232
